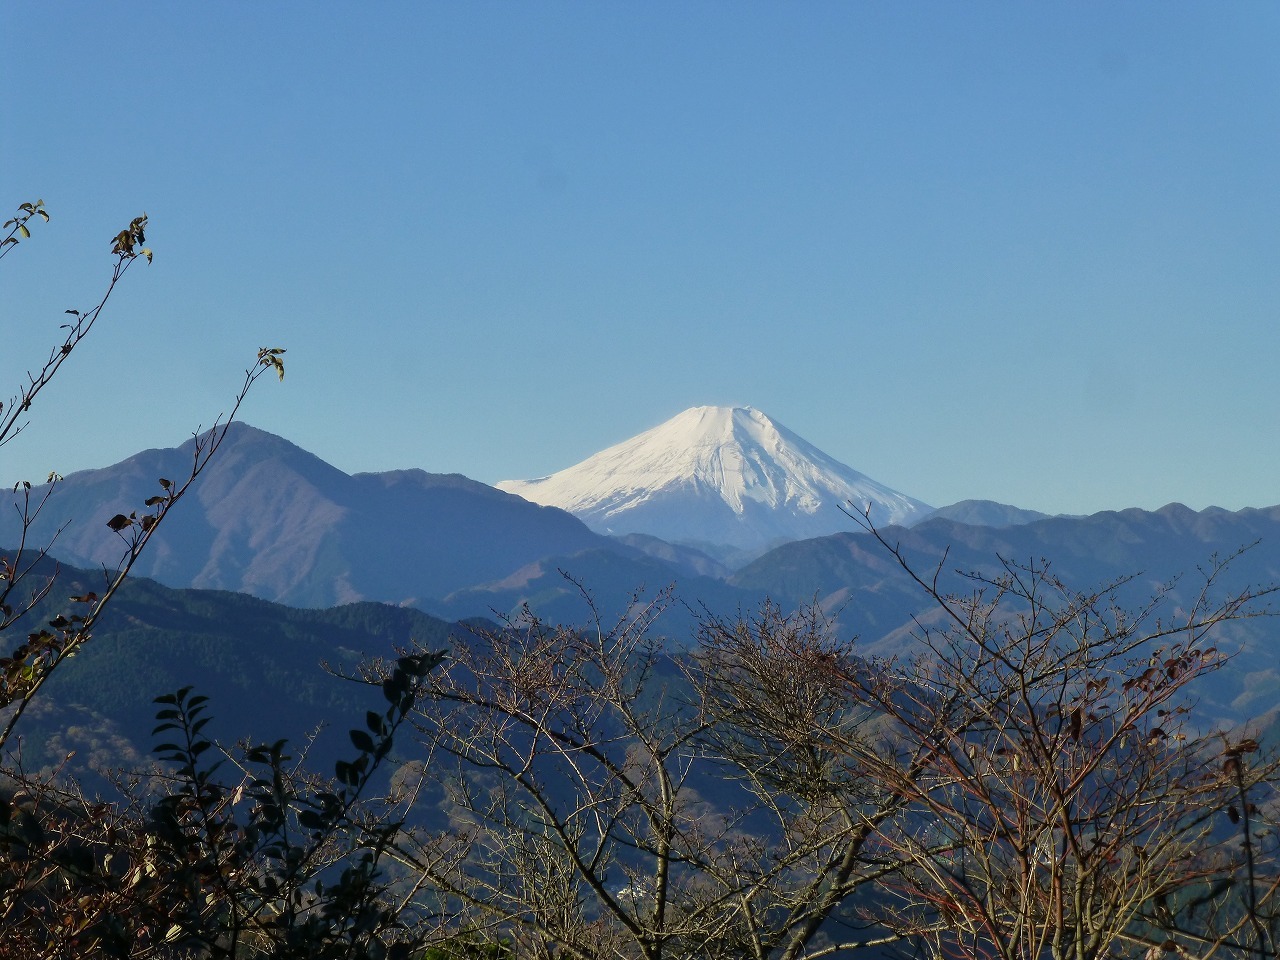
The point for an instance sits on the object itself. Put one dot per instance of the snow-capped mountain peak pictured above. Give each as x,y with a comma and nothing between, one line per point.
720,475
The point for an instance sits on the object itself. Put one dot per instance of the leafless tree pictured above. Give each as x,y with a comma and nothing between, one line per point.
1066,804
609,797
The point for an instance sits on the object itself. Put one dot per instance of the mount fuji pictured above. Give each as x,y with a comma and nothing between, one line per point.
718,476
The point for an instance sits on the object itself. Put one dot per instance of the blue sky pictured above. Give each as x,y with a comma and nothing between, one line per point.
1024,252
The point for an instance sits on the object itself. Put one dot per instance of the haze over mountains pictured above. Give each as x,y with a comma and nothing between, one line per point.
272,520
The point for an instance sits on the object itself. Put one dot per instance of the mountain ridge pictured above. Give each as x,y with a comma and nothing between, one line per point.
269,519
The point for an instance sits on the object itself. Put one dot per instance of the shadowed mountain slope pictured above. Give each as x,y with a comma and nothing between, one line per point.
269,519
259,662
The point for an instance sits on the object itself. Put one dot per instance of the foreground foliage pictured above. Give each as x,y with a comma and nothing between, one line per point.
227,855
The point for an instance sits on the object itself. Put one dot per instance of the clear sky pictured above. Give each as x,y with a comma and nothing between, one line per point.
1025,252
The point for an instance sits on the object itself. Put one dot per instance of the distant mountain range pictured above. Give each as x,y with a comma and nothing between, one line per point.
718,476
271,520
